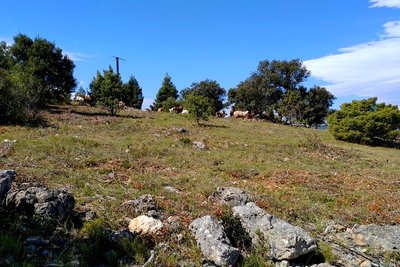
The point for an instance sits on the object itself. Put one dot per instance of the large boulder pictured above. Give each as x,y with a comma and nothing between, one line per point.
6,179
380,238
214,244
52,204
231,196
284,240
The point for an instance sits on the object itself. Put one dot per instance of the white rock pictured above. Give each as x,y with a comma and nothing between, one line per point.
145,225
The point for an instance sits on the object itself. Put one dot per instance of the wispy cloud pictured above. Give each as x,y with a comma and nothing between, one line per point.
77,56
385,3
367,69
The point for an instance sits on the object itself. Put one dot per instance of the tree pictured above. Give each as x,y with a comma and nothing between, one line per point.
199,107
167,90
107,90
317,103
366,122
133,95
43,66
13,101
209,89
264,89
292,105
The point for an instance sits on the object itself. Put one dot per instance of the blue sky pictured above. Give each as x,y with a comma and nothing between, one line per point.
352,47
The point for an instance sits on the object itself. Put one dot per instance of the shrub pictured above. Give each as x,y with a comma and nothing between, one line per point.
366,122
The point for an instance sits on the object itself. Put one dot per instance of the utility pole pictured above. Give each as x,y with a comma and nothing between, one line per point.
117,61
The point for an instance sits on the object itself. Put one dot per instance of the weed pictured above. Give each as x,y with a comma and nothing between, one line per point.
326,251
235,231
185,140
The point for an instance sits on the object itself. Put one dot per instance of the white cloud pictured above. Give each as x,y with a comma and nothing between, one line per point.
77,56
368,69
385,3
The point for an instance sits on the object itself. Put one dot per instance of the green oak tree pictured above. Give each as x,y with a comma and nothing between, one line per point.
209,89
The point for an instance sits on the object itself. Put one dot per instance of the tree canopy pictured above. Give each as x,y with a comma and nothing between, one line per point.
366,122
107,90
199,107
166,91
276,89
34,73
43,65
133,94
211,90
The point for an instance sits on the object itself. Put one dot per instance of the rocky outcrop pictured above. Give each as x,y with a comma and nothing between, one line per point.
365,245
51,204
231,196
143,205
284,241
6,179
214,244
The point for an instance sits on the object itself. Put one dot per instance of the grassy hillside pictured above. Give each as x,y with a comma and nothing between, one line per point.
301,175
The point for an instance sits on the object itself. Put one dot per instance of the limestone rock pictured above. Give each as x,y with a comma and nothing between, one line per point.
53,204
199,145
145,225
285,241
231,196
214,244
144,205
382,238
6,179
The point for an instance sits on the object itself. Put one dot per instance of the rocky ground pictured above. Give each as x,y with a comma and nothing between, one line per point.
48,222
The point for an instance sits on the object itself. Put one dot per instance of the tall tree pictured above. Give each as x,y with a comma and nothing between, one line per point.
264,89
133,93
209,89
40,63
317,104
167,91
107,90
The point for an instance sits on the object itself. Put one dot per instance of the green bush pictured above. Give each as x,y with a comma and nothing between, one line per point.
366,122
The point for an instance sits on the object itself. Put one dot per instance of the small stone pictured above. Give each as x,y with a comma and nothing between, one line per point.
145,225
199,145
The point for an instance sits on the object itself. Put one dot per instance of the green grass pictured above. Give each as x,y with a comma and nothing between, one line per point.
300,175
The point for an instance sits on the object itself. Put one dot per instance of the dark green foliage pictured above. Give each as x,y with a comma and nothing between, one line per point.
107,90
13,101
209,89
199,107
235,232
167,91
317,102
366,122
45,68
97,248
276,87
133,94
11,247
292,105
263,90
33,73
